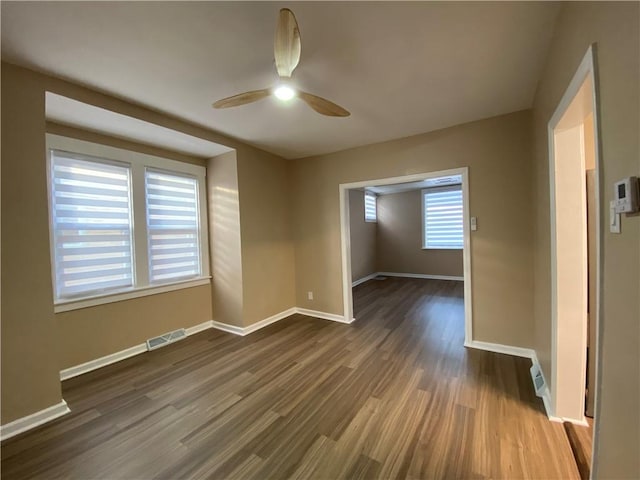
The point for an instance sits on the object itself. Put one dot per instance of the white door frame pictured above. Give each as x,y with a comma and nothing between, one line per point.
587,69
345,237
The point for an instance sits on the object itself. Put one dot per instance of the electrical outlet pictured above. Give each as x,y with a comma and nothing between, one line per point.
310,295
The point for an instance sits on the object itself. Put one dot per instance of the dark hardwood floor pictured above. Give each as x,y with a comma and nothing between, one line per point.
394,395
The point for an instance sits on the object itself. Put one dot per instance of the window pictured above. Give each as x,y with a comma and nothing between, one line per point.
370,207
123,222
442,217
172,226
91,212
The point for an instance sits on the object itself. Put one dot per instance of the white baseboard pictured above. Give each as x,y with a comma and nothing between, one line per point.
324,315
546,399
406,275
268,321
199,328
419,275
34,420
364,279
545,395
242,331
225,327
121,355
102,361
499,348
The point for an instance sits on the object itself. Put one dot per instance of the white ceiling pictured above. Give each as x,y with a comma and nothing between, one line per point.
400,68
419,185
77,114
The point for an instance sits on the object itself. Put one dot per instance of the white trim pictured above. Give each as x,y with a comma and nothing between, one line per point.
500,348
324,315
364,279
34,420
268,321
552,418
102,361
242,331
121,355
138,164
201,327
225,327
66,306
421,275
345,241
586,69
546,399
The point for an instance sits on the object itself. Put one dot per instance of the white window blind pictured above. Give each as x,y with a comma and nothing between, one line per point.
91,225
370,207
172,226
442,217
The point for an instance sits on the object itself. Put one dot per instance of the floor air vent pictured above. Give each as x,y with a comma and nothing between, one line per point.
167,338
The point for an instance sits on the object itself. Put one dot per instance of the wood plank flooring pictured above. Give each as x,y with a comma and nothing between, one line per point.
581,441
394,395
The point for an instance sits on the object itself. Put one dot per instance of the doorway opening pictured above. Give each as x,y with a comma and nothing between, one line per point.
365,195
575,249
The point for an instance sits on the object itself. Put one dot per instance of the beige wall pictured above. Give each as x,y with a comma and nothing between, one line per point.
90,333
30,365
36,344
400,239
268,270
498,154
615,29
225,238
94,332
363,238
252,245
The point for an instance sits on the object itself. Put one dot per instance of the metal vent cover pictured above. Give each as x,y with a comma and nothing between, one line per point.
167,338
538,379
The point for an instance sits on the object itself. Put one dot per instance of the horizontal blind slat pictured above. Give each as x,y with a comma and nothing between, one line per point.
172,225
370,207
91,216
443,217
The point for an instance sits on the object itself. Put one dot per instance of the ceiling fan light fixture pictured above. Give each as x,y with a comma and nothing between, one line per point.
284,92
286,53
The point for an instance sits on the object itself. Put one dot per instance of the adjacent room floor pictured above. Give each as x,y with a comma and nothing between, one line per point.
394,395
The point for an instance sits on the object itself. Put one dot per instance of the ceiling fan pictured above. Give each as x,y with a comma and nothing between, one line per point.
287,55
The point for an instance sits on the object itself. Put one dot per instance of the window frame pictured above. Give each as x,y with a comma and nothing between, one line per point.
375,207
138,163
150,169
445,188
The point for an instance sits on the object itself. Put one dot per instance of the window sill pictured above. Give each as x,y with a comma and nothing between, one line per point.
442,248
68,305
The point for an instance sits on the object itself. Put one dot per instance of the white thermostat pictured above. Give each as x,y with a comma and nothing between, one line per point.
626,195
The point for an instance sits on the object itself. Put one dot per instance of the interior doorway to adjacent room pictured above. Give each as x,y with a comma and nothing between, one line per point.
414,226
575,250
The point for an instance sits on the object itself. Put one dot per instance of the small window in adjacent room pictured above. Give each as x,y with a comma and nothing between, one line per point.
370,207
442,225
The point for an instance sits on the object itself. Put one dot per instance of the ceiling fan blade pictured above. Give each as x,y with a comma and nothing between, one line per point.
242,98
286,46
322,105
